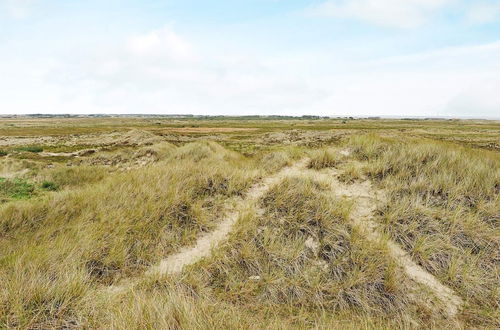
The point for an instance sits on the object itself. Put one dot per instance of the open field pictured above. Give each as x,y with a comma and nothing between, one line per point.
249,223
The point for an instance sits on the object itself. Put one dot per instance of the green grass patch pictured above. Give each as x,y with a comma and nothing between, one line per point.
49,185
15,189
30,149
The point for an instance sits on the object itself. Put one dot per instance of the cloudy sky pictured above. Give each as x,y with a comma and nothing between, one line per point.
240,57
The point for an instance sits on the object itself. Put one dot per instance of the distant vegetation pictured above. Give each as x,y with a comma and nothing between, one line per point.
30,148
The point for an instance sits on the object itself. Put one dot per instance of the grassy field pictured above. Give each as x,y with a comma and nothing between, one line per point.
302,223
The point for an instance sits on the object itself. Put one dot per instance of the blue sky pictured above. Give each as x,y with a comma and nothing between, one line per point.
339,57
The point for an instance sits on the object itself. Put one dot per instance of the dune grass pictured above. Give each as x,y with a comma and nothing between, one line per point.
304,237
351,172
55,248
443,208
129,155
294,260
324,158
75,177
300,264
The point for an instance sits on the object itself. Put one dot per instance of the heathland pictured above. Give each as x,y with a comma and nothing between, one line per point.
194,223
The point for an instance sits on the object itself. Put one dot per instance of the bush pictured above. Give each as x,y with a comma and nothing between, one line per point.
3,153
30,149
49,185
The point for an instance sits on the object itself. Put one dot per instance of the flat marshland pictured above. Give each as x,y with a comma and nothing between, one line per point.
168,223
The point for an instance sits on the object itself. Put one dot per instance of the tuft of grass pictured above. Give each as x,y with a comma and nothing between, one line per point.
49,185
203,150
75,176
324,158
351,172
3,153
366,147
273,161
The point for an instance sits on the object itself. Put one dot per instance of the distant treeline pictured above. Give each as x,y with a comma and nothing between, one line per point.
176,116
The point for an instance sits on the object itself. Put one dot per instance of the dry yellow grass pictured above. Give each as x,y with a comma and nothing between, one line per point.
443,208
295,259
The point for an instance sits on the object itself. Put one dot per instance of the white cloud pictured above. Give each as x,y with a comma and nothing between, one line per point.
392,13
480,97
483,12
17,9
478,55
162,72
161,43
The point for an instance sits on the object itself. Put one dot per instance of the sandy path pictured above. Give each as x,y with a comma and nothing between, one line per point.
83,152
365,199
189,255
174,263
362,215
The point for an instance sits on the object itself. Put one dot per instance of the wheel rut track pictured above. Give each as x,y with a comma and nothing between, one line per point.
365,199
175,263
190,255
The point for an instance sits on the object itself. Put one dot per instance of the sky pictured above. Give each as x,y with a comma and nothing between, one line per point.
429,58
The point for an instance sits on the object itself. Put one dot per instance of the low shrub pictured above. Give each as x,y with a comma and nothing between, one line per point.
34,149
49,185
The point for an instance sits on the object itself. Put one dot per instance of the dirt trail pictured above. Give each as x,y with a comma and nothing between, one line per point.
83,152
174,263
366,198
362,215
189,255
